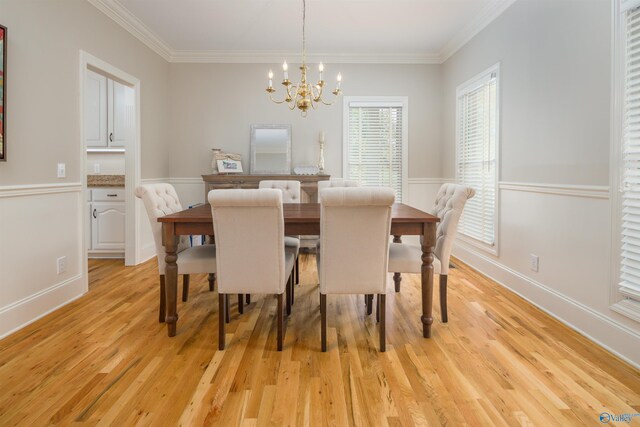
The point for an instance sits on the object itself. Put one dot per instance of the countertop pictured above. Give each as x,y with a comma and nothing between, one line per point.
94,181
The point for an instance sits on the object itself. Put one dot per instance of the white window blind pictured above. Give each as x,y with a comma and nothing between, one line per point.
476,155
630,254
374,151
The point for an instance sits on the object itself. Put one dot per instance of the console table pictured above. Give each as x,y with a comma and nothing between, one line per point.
308,183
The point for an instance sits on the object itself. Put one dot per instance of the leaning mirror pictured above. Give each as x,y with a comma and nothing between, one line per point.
271,149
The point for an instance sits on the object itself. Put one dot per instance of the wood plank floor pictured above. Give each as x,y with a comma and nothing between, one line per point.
105,360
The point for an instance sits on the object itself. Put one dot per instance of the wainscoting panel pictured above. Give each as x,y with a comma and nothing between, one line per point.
568,228
38,225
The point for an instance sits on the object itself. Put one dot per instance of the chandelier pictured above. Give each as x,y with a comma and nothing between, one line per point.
303,94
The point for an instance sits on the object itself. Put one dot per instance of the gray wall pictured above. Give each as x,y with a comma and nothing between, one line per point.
213,105
555,89
43,118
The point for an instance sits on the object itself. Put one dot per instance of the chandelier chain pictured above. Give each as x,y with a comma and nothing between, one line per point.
304,36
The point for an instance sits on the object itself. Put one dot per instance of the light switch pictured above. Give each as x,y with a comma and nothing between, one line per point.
62,170
96,168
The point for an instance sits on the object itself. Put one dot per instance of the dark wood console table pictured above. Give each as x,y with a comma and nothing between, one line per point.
308,183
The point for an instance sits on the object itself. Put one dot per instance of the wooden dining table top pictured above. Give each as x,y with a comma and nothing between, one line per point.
301,212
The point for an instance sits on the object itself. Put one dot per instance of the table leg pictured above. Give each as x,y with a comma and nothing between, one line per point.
171,276
397,277
428,243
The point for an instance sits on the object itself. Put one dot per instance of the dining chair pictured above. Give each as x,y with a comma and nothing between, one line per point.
354,247
407,258
261,267
160,200
336,183
290,194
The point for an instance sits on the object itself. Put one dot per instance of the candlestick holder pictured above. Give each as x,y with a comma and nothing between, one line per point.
321,158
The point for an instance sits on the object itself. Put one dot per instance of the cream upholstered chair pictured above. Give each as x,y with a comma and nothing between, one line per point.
354,246
406,258
336,183
160,200
290,194
262,267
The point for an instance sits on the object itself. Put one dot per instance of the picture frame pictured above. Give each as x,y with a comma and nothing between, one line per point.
3,93
229,166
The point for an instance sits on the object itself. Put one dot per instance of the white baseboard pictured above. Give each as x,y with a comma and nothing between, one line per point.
147,252
602,330
26,311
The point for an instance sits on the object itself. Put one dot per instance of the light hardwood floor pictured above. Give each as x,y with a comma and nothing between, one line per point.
105,360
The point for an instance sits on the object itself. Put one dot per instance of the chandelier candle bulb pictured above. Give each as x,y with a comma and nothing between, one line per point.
322,136
270,78
321,69
285,68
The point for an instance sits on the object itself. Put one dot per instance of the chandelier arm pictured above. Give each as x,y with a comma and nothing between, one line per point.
276,101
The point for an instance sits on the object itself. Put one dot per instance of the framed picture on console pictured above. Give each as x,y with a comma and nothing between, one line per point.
3,92
229,166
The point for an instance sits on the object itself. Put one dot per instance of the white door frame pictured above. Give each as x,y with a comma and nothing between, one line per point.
132,161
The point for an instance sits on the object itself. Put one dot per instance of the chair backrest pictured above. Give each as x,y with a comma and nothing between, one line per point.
450,203
160,200
290,189
355,225
249,230
336,183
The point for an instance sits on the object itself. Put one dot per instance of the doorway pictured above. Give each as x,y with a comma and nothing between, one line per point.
110,161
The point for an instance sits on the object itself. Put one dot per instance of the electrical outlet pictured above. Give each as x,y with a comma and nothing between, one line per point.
62,264
96,168
62,170
534,262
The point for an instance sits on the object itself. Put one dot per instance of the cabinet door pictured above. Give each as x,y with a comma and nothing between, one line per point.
120,97
107,226
95,110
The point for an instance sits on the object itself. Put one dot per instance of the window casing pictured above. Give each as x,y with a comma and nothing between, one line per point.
375,142
625,167
477,138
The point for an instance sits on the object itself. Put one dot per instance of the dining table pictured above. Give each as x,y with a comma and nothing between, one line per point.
299,219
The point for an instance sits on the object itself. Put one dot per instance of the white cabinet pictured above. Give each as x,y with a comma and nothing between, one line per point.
105,115
107,226
107,219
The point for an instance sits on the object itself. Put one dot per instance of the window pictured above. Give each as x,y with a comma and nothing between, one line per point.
375,148
476,156
627,160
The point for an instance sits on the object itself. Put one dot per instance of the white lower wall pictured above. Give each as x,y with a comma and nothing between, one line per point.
568,227
38,224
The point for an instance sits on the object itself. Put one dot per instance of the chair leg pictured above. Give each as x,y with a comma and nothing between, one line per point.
382,304
369,304
288,292
222,309
397,278
293,289
212,281
227,315
248,298
443,298
323,322
240,303
378,308
280,323
297,270
163,301
185,287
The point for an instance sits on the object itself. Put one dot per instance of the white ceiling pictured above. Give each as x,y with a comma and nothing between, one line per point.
389,30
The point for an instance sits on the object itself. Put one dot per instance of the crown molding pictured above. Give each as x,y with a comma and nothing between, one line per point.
123,17
118,13
482,20
270,57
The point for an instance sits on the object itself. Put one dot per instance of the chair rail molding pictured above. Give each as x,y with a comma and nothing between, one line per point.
39,189
591,191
